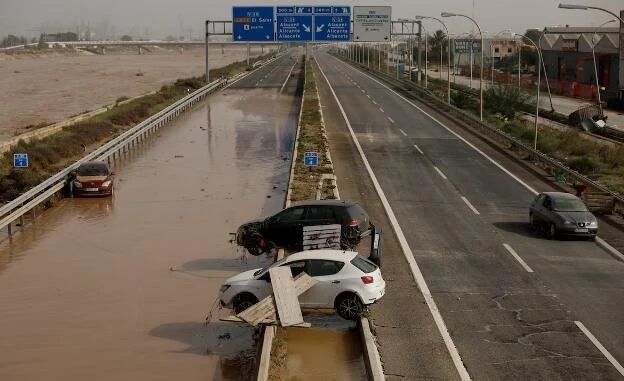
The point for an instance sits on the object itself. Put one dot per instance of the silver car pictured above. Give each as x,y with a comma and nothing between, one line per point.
562,214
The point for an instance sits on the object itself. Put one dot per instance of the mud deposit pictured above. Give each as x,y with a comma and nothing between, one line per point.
330,350
118,289
38,89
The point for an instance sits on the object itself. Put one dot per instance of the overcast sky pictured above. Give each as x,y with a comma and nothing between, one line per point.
158,18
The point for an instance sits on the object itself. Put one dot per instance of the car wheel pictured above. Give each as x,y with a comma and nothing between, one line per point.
256,245
243,302
349,306
552,231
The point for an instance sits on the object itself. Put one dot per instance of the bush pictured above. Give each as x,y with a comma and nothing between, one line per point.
462,100
584,164
505,100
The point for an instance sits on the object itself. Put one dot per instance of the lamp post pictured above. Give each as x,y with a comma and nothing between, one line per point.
448,14
596,67
586,7
448,73
539,77
492,52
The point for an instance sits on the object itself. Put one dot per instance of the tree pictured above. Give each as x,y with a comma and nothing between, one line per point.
437,42
126,37
534,35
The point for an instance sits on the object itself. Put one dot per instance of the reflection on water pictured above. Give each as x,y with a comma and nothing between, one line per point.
118,289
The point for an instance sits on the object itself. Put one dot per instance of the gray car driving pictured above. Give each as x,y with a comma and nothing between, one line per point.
558,214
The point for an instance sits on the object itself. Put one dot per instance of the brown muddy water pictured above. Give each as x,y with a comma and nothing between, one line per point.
330,350
119,289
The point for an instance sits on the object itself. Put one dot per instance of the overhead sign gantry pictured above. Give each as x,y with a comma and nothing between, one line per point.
291,23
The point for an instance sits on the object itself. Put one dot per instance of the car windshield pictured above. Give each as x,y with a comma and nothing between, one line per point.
569,205
92,170
263,270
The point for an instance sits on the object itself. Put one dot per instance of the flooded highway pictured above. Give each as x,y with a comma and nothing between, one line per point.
119,289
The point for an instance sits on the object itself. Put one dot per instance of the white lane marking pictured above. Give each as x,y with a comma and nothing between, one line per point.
470,205
518,258
449,130
390,119
403,132
601,243
418,149
287,77
601,348
363,92
407,251
374,102
380,109
368,96
440,172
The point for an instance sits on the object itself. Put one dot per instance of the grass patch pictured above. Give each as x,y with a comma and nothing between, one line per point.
312,138
596,160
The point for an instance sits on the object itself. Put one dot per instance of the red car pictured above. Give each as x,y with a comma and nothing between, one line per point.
93,178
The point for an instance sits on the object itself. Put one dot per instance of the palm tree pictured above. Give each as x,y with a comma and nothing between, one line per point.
437,44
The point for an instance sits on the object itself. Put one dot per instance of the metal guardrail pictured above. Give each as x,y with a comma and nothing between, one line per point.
26,202
473,121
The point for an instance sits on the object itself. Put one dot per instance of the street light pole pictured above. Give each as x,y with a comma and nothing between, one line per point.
539,75
448,72
447,14
586,7
596,66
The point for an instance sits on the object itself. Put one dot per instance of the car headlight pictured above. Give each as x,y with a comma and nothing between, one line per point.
592,223
224,288
567,222
77,184
106,183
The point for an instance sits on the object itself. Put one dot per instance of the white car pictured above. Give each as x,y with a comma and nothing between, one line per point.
346,282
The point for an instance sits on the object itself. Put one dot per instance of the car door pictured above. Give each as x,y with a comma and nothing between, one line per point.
328,286
546,210
286,227
534,209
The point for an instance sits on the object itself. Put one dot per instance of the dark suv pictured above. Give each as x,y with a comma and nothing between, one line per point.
285,229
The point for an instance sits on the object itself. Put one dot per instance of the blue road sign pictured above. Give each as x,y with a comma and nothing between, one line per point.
294,23
341,10
20,160
310,159
252,24
332,28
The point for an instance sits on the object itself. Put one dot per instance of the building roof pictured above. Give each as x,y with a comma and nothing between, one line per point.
606,39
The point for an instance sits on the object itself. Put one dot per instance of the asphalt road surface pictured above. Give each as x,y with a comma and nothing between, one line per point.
514,303
119,289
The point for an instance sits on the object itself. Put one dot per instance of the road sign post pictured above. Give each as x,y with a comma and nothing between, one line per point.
332,23
372,24
294,23
252,24
310,159
20,160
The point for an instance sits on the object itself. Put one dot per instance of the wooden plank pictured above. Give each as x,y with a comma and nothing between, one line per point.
286,301
320,236
236,319
257,313
321,227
